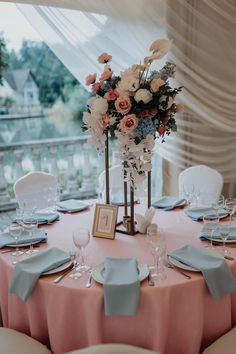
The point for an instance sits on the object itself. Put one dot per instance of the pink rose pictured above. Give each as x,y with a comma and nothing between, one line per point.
104,58
90,79
106,75
96,86
123,104
111,95
128,123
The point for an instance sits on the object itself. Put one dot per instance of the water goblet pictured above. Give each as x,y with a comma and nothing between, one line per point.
81,238
15,231
224,234
211,222
230,205
157,246
30,225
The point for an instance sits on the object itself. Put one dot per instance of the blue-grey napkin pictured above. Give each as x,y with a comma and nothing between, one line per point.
217,275
45,218
198,213
6,239
216,233
121,286
28,271
168,202
72,205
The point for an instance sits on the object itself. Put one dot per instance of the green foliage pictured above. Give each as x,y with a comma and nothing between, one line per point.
53,79
3,58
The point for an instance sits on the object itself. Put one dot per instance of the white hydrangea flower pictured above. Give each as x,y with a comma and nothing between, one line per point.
99,105
143,95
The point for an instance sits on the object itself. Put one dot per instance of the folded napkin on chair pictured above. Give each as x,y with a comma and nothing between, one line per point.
121,286
168,202
215,271
6,239
198,213
28,271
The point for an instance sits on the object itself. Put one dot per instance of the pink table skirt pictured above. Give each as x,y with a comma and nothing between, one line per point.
177,316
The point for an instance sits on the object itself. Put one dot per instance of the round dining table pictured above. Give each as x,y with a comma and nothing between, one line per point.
176,316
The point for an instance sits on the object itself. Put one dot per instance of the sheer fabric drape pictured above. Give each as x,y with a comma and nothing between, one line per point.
203,50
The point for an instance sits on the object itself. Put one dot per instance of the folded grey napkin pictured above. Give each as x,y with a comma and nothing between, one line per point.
168,202
45,218
28,271
198,213
215,271
72,205
6,239
216,233
121,286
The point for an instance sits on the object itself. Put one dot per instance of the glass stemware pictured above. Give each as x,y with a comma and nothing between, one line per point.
30,225
188,193
230,206
224,234
218,203
15,231
211,222
157,246
81,238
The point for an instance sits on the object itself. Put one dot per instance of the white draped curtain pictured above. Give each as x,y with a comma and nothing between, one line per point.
204,51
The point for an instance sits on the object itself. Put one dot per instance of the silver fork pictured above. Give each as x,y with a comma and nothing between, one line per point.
89,281
169,265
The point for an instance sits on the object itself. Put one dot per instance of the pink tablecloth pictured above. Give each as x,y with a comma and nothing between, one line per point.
177,316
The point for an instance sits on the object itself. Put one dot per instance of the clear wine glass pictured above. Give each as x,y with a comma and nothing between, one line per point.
230,206
218,203
30,225
188,193
157,246
15,231
81,238
211,222
224,234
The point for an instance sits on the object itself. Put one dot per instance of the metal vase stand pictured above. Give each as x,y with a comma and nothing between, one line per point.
127,225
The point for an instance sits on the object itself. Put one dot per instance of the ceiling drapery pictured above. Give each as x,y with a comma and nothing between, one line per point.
203,50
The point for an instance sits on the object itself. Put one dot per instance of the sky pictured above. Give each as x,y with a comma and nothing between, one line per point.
15,27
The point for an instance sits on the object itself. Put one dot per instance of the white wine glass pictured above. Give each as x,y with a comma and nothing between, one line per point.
157,246
30,225
224,234
81,238
211,223
218,203
15,231
230,206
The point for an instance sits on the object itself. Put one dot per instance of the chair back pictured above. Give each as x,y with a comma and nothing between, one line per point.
35,189
207,181
113,349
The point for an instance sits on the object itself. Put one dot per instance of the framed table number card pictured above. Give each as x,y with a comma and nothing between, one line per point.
104,223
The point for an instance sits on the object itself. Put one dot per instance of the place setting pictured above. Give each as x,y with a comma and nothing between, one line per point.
169,202
72,206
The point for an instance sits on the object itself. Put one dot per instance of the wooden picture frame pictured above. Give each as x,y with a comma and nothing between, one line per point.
105,218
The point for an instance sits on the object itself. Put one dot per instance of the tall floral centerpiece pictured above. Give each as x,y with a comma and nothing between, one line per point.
136,107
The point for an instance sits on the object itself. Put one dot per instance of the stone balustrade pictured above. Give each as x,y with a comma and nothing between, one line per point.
74,163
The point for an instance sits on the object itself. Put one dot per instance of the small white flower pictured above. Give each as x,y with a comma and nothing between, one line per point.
99,105
143,95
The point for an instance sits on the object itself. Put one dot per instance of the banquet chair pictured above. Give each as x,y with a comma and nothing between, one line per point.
112,349
34,189
205,181
14,342
224,345
115,182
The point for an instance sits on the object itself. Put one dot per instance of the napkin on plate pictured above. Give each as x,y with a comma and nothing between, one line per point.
215,271
72,205
45,218
168,202
6,239
28,271
121,286
198,213
216,233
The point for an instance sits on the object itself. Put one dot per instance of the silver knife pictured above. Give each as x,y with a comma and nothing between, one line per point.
67,271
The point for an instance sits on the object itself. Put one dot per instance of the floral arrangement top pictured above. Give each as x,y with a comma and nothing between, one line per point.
137,107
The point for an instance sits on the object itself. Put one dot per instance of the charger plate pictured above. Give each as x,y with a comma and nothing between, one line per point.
59,269
98,272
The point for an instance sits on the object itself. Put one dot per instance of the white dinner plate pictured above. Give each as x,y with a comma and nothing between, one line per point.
184,266
24,244
73,210
98,272
58,269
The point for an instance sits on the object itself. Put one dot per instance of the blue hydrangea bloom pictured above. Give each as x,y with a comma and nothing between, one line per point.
145,127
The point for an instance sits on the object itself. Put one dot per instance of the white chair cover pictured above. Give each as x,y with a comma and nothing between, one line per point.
206,180
113,349
13,342
36,189
224,345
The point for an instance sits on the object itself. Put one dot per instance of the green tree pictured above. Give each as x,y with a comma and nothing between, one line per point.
3,58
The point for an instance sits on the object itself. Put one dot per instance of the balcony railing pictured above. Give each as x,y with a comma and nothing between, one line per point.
74,163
